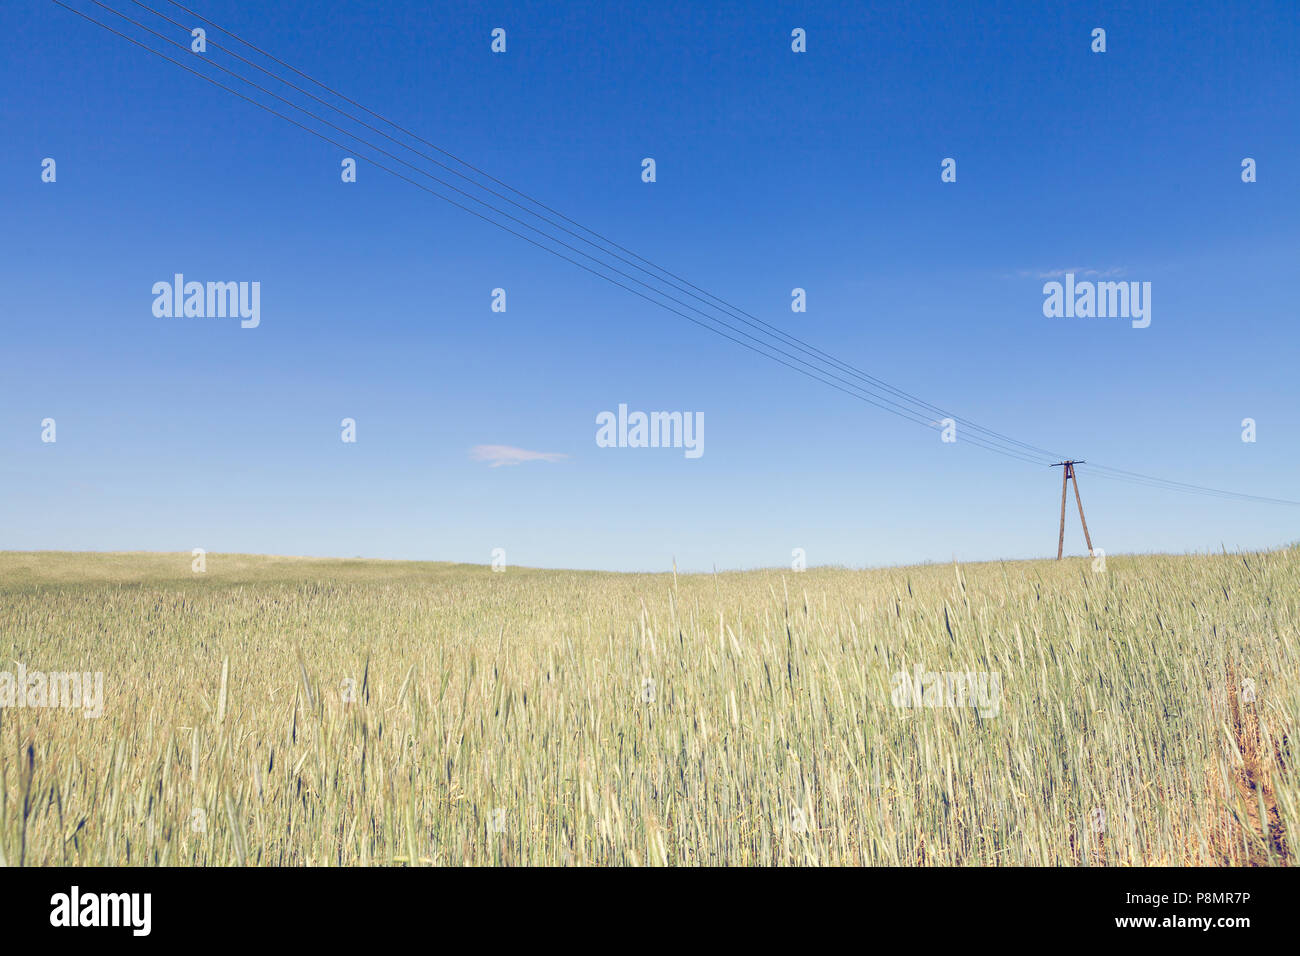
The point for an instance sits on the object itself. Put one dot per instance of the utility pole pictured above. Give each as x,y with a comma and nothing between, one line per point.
1066,476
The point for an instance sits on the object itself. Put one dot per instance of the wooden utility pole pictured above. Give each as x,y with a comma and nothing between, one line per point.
1066,476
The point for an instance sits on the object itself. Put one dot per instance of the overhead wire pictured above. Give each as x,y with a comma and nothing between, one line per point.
818,363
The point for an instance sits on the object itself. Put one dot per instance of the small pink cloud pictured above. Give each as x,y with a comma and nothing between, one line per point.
498,455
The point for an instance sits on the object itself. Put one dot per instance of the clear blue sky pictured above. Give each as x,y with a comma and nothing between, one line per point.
775,170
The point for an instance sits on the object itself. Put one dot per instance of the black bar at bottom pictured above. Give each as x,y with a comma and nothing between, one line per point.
368,906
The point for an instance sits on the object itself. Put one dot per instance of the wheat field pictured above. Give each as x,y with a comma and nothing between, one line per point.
286,711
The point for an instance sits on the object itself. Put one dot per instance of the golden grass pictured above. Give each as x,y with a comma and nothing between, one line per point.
768,735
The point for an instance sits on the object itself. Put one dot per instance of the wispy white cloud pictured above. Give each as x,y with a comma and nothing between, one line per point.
498,455
1077,270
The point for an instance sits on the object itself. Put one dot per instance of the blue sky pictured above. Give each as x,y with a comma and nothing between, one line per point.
775,170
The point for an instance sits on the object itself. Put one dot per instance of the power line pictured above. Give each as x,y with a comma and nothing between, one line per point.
851,389
912,408
1167,484
738,312
984,443
991,437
